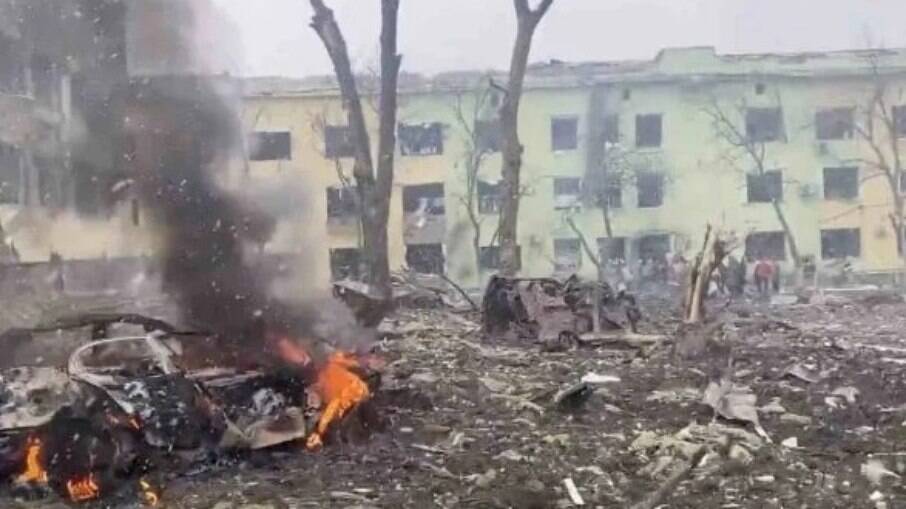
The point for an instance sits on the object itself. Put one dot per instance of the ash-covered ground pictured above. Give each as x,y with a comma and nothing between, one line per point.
470,423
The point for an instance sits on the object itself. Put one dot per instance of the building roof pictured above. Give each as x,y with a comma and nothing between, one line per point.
672,64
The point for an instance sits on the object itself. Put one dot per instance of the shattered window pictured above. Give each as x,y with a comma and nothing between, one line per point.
834,124
489,257
421,139
648,130
612,249
766,187
564,133
338,142
425,198
764,124
654,246
841,243
488,197
567,255
488,135
841,183
651,189
342,202
270,146
771,245
345,263
567,192
425,258
10,173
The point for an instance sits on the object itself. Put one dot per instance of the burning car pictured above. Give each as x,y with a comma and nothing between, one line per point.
125,404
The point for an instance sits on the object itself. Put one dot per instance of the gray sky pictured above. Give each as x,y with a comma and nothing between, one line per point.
440,35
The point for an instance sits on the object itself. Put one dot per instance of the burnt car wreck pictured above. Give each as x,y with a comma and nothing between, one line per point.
547,310
124,407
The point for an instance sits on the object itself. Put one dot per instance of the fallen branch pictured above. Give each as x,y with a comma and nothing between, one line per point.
461,291
621,339
670,484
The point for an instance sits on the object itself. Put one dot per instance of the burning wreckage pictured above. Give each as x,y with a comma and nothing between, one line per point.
126,405
252,373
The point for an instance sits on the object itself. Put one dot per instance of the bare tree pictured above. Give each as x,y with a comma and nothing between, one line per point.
752,151
468,114
881,127
373,191
527,20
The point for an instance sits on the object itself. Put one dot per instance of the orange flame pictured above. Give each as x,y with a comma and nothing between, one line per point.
83,489
341,389
34,471
151,496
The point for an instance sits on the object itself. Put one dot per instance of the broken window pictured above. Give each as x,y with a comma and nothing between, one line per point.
841,243
425,258
651,189
654,247
899,121
425,198
764,124
338,142
342,202
421,139
488,197
10,174
771,245
488,135
611,249
345,263
765,187
567,255
566,192
270,146
611,129
834,124
841,183
564,133
648,130
489,257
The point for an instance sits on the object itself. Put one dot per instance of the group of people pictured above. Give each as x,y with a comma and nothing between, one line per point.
731,278
733,275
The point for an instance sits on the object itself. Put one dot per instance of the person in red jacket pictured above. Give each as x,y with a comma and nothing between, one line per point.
764,275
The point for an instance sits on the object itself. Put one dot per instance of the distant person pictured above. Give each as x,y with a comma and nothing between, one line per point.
764,275
775,279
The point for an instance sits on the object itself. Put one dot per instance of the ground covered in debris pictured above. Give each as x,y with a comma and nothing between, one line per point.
471,423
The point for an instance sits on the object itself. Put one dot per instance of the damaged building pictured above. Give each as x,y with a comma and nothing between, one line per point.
800,106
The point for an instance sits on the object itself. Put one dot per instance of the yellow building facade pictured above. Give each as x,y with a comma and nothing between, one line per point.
806,114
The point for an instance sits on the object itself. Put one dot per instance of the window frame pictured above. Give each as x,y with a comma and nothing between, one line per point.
257,143
572,135
642,119
825,181
769,188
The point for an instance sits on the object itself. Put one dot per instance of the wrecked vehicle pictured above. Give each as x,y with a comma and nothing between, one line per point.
123,405
546,309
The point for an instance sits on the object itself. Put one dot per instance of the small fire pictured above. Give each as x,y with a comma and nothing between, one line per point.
84,489
34,471
148,492
341,389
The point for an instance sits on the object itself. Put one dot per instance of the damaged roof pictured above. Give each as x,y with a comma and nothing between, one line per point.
670,65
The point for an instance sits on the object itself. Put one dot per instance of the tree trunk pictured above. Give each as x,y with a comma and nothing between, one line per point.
527,21
710,257
374,193
605,213
791,240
